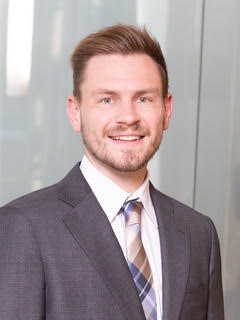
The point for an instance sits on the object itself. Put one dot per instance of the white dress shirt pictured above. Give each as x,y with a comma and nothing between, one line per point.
111,198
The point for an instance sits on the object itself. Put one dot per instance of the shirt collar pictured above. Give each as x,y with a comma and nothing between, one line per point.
110,196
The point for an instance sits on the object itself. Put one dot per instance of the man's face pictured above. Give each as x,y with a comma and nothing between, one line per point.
122,113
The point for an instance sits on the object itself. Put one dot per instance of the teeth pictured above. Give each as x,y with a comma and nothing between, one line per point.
126,138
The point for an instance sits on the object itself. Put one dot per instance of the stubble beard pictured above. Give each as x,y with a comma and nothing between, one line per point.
126,161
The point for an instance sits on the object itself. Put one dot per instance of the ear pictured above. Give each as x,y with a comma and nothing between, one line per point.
73,110
168,102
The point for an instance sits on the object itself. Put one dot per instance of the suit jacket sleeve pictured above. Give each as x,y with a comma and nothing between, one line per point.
215,298
21,270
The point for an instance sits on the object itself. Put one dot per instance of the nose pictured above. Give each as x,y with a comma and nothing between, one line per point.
127,113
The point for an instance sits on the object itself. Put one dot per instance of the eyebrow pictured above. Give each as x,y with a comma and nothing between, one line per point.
148,90
103,91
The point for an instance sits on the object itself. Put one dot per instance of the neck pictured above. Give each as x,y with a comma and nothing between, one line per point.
128,181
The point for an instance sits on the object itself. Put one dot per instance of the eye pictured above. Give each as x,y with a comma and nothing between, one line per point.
107,100
143,99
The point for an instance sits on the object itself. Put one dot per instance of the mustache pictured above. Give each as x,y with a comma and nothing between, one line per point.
119,129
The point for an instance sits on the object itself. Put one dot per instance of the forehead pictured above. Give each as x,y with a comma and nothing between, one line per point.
115,70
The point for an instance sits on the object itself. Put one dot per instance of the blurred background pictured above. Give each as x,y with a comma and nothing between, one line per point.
199,160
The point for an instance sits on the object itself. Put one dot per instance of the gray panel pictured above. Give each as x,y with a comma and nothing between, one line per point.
214,113
218,161
182,47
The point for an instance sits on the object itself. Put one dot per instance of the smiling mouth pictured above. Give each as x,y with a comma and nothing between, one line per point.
126,138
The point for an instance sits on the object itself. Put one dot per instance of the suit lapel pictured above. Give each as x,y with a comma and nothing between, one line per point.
91,229
175,251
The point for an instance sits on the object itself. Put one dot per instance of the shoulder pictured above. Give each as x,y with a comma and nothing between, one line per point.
52,202
30,204
181,213
38,196
198,229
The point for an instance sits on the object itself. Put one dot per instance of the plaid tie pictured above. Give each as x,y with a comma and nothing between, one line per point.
137,258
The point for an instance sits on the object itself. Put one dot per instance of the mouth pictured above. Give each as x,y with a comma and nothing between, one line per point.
126,138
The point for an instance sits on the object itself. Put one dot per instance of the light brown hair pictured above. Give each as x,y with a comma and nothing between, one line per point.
117,39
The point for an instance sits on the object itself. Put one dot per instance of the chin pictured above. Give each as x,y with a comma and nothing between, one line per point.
129,168
126,165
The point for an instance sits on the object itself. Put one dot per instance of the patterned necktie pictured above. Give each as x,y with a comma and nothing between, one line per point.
137,258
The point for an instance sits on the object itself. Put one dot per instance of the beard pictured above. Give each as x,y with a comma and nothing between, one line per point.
122,159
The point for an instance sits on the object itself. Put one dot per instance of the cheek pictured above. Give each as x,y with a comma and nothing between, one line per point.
94,124
155,123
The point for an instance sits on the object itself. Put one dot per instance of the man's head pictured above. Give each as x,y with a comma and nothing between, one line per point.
121,103
118,39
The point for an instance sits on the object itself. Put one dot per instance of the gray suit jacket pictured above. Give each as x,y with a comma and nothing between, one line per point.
60,259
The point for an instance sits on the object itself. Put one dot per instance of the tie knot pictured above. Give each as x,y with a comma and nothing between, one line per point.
132,212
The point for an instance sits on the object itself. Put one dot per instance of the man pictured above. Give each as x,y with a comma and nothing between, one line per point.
103,243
